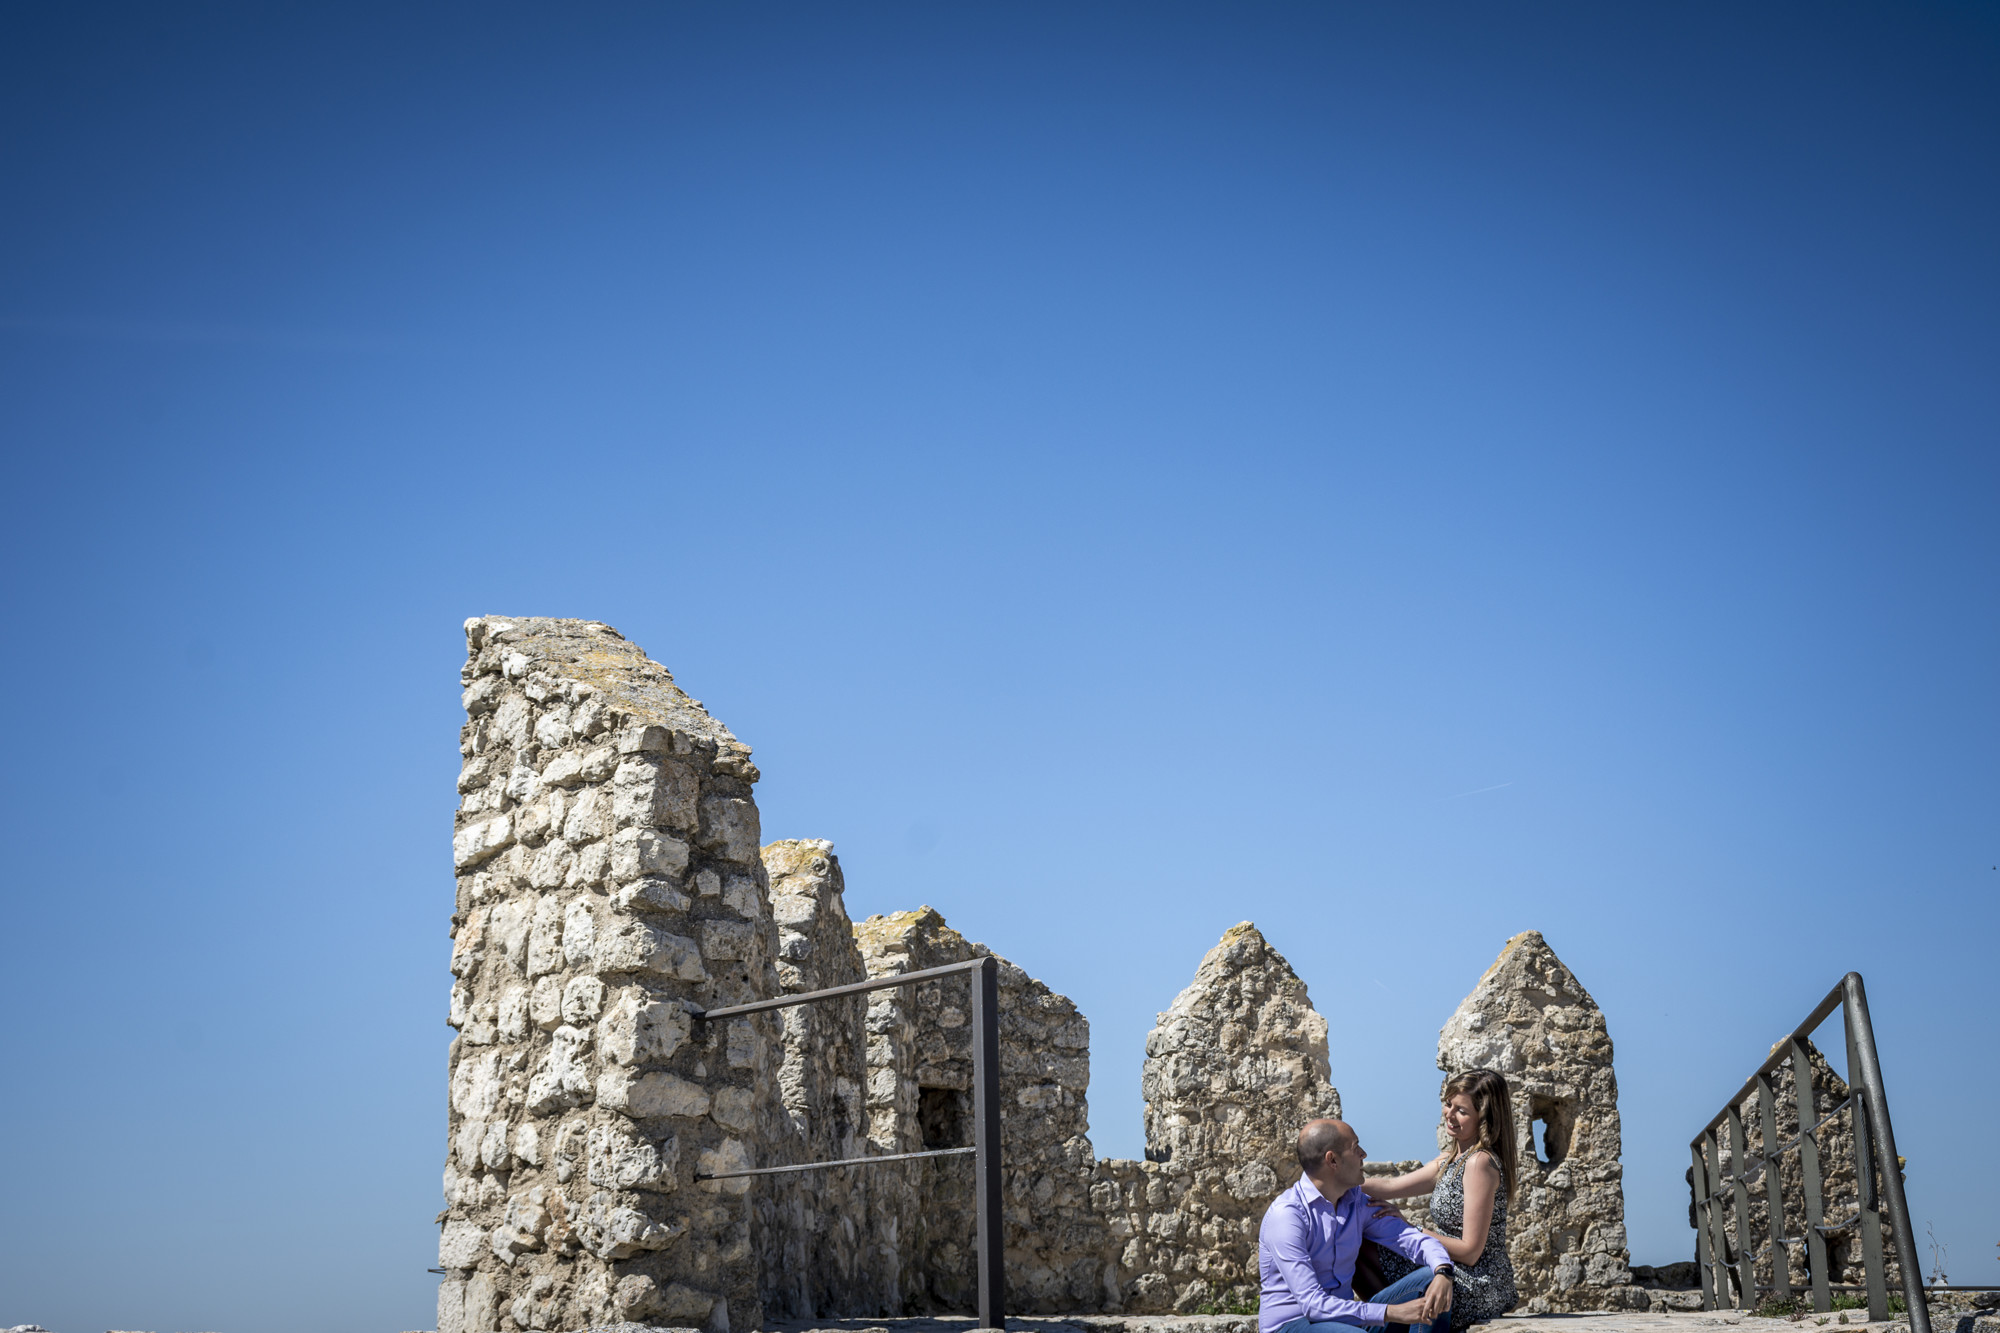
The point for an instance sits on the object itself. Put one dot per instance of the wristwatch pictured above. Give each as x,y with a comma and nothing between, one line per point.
1444,1270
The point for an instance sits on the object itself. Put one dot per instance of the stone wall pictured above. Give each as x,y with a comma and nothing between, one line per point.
1838,1182
1530,1020
920,1097
1233,1067
611,887
606,848
829,1244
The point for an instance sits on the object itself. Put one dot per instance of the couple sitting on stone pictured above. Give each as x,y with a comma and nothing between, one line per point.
1313,1235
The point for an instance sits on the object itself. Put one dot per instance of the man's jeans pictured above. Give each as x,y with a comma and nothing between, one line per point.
1407,1288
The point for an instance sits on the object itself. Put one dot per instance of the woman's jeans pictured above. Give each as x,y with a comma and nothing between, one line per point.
1406,1288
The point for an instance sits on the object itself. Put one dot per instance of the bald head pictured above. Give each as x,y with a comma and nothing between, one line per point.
1320,1137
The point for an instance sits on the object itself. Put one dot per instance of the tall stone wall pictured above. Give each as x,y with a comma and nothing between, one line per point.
1530,1020
606,848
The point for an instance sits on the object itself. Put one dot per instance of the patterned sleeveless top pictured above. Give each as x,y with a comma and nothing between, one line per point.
1483,1290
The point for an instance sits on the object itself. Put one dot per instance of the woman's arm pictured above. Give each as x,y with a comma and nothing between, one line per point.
1482,1182
1418,1181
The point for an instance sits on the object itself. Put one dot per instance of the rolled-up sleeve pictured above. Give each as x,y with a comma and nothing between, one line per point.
1286,1237
1406,1240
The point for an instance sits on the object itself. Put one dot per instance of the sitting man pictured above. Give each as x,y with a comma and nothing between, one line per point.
1311,1235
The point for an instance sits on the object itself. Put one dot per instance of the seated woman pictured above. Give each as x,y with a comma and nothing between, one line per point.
1470,1183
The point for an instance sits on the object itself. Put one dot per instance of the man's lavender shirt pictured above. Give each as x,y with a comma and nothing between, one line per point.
1306,1251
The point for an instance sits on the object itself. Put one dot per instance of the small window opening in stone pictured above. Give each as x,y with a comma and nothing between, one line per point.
1550,1121
941,1117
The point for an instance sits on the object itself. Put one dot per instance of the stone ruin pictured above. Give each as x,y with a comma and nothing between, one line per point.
1839,1188
611,883
1531,1021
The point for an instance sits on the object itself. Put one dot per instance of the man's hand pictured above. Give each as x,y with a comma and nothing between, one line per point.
1437,1298
1407,1312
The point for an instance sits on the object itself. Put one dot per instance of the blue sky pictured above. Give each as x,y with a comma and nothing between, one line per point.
1400,476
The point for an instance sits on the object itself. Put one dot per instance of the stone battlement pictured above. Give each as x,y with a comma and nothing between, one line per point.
612,881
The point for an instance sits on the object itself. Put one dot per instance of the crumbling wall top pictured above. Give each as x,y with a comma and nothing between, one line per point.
592,654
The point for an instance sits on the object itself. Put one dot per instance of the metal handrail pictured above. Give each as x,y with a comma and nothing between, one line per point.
985,1147
1712,1189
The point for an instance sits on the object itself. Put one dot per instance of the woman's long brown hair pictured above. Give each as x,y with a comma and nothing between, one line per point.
1493,1112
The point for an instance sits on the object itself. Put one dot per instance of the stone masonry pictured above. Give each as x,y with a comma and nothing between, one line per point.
1234,1066
1838,1189
1531,1021
609,880
611,887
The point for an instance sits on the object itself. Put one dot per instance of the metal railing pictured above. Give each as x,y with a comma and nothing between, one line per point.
1878,1174
985,1149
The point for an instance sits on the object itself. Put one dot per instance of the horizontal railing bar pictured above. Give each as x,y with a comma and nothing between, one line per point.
845,1161
852,988
1842,1225
1779,1054
1816,1128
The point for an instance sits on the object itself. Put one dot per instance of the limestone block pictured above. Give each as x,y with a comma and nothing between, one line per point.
451,1306
545,943
508,926
650,1095
590,865
638,1029
475,1086
621,1158
650,791
734,1108
745,1045
730,828
528,1144
572,767
651,895
632,945
579,933
642,851
729,1155
582,999
552,728
612,1229
584,821
476,842
493,1149
513,1013
545,1003
460,1244
551,867
562,1079
728,940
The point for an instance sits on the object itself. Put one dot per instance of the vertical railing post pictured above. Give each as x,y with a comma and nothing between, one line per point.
1699,1187
1774,1193
1807,1100
1864,1070
1746,1263
1870,1219
1718,1232
986,1138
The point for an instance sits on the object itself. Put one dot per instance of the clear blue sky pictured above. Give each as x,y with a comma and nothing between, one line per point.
1400,475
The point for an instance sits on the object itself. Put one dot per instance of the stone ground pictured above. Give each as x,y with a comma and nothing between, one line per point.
1943,1320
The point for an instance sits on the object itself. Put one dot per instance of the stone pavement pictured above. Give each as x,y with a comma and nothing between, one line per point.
1720,1321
